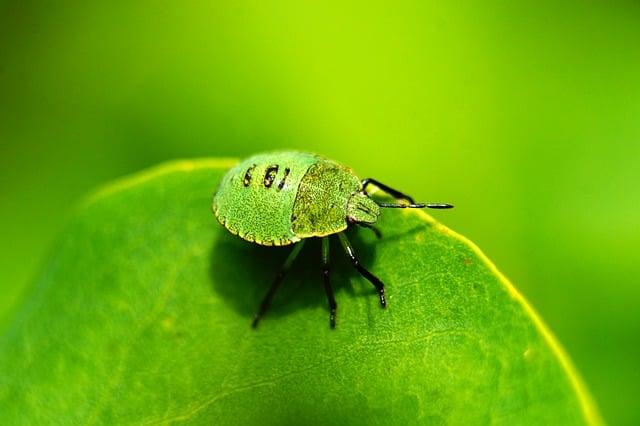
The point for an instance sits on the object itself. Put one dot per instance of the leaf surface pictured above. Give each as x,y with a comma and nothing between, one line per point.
142,316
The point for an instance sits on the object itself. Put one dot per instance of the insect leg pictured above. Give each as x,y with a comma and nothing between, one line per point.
356,264
264,305
393,192
327,283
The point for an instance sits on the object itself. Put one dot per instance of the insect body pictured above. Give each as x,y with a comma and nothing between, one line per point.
285,197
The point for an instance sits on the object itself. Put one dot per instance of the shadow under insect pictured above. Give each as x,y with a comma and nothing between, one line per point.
244,272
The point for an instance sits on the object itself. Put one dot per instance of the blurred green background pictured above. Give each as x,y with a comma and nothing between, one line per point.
526,116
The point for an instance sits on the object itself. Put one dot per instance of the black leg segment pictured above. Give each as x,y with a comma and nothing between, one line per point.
327,282
266,301
356,264
393,192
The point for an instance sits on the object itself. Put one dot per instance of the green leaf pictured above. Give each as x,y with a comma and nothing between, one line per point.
142,316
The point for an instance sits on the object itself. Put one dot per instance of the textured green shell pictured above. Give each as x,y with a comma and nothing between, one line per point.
278,198
321,205
257,212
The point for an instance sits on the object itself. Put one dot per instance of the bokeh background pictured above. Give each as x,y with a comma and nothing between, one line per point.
525,115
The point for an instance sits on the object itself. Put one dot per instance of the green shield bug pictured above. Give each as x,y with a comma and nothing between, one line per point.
285,197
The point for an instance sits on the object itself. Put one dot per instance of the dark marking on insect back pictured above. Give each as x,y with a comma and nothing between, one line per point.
364,209
284,178
247,176
270,176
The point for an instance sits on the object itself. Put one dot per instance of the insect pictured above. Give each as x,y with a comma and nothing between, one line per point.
285,197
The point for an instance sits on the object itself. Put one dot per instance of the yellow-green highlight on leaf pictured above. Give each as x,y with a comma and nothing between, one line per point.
142,315
589,409
158,171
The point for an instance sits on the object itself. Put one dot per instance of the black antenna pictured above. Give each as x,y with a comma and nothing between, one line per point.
439,206
416,206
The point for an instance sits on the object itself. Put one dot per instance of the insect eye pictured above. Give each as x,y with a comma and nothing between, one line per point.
270,176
